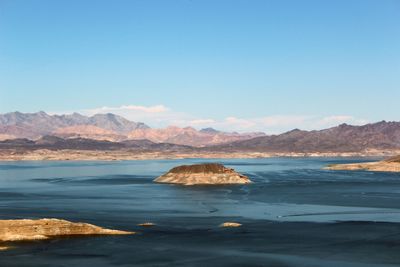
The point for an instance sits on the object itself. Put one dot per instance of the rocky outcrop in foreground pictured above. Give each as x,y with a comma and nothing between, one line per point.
25,230
203,174
388,165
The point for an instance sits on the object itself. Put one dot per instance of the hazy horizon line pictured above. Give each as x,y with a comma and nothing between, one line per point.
330,121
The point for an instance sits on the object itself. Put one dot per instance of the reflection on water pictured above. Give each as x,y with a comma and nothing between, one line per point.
294,214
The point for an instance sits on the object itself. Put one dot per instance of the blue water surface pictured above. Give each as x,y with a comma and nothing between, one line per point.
293,214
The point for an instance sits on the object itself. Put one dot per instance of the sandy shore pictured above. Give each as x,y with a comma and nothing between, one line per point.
108,155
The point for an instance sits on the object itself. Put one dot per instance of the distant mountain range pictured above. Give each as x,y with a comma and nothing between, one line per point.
190,136
109,127
56,143
343,138
36,125
109,131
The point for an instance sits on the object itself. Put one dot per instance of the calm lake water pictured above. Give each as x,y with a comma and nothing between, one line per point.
294,214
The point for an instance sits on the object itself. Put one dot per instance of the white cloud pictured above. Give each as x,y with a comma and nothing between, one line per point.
127,108
339,119
155,116
233,122
161,116
202,122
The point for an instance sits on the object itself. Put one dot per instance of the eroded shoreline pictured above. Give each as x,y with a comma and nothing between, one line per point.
110,155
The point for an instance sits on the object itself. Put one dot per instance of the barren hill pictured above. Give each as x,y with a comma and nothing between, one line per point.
343,138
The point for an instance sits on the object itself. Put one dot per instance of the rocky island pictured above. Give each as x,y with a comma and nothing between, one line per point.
203,174
29,230
388,165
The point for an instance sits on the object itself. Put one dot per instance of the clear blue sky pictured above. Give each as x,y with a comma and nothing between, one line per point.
211,59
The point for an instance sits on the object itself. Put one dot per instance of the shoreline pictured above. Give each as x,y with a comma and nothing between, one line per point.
379,166
28,230
120,155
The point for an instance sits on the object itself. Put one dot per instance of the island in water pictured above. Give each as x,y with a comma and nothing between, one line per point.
203,174
29,230
388,165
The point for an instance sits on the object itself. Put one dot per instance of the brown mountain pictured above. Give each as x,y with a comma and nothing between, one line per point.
88,132
57,143
35,125
119,132
189,136
343,138
108,127
381,136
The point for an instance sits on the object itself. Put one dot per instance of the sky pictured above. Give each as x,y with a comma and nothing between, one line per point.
235,65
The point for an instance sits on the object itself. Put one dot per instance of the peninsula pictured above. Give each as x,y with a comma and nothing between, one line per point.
29,230
388,165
